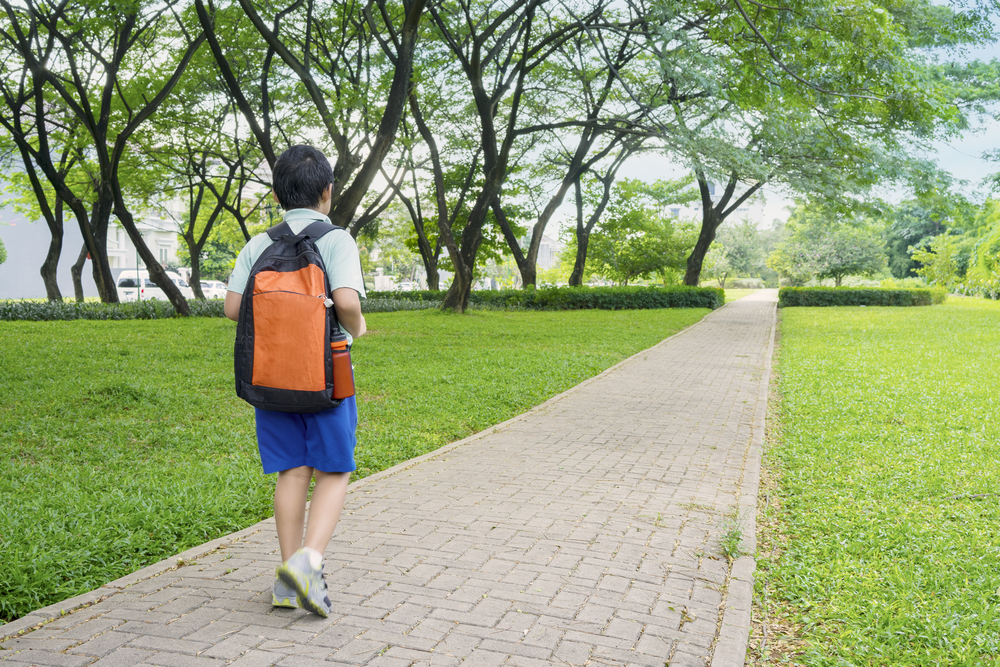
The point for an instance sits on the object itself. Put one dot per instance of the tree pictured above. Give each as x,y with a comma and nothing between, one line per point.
351,65
392,239
743,247
939,267
35,198
716,264
913,223
828,103
108,68
824,246
583,118
3,252
636,239
847,251
218,252
501,56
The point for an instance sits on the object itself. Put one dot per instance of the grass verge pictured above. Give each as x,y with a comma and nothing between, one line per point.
123,443
881,517
734,294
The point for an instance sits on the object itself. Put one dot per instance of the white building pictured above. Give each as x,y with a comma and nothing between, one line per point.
159,234
548,250
751,208
27,243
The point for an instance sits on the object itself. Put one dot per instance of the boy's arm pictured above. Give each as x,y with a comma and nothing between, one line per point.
348,305
231,307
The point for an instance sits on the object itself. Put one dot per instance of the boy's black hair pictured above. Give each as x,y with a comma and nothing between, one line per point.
300,176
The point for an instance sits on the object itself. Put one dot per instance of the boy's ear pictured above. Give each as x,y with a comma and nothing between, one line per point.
327,193
274,195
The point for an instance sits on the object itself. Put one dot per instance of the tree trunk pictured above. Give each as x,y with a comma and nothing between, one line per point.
95,230
76,271
51,264
837,280
713,214
582,241
195,280
583,230
433,279
156,272
457,297
710,223
525,265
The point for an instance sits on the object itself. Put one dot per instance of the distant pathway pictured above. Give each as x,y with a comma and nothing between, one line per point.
588,531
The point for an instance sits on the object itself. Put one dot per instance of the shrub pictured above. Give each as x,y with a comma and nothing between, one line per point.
746,283
71,310
39,310
391,304
860,296
580,298
558,298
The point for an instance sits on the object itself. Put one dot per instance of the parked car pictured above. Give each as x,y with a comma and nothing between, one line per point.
213,289
131,281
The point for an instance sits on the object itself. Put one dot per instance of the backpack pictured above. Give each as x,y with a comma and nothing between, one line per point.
283,358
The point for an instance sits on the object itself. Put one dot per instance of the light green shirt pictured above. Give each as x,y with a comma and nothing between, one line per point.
338,250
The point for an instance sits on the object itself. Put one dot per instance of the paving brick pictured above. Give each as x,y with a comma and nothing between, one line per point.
171,645
257,659
43,657
105,643
123,657
181,660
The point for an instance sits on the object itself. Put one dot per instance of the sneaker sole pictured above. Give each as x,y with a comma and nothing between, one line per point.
302,590
286,603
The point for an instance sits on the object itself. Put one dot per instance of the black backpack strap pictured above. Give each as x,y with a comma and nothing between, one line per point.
313,231
279,230
320,228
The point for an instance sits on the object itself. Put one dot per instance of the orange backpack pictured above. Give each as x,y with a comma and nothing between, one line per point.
283,355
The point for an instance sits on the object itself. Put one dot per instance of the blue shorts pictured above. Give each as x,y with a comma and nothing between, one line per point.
322,440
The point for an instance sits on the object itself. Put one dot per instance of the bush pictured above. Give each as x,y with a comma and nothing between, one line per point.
859,296
558,298
746,283
579,298
382,304
91,310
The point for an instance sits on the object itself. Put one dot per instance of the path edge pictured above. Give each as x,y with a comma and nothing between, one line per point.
734,634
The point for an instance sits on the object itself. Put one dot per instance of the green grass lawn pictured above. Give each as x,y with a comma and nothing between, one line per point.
889,482
733,294
122,442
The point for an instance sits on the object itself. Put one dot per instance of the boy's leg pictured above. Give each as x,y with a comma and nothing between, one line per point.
328,499
290,508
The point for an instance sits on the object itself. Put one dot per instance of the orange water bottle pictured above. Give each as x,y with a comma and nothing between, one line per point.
343,374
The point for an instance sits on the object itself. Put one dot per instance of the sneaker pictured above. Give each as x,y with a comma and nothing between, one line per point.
283,595
307,581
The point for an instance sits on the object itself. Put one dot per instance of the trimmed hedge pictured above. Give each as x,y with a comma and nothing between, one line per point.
40,311
580,298
557,298
95,310
858,296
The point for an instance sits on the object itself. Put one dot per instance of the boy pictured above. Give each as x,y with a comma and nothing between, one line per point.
300,447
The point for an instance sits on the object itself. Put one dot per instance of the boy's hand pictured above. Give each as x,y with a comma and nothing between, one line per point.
348,305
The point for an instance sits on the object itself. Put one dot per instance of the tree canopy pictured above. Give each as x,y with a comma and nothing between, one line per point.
824,245
501,114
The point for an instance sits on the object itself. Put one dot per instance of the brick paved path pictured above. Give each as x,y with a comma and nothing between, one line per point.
589,531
